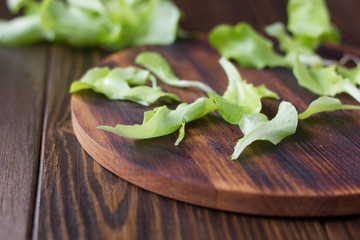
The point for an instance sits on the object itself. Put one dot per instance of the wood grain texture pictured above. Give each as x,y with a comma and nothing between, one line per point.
58,173
22,84
79,199
291,179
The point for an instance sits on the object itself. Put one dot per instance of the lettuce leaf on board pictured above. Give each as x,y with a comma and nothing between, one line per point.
351,73
324,80
111,24
116,84
158,65
162,121
240,98
243,44
258,127
290,46
309,22
325,104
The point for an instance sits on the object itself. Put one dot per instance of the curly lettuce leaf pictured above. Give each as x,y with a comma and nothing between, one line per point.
351,73
158,24
162,121
15,5
243,44
111,24
309,22
21,31
290,46
161,68
325,104
258,127
240,98
116,84
324,81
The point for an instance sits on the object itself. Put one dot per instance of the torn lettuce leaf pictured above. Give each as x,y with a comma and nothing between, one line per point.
116,84
158,65
290,46
243,44
15,5
351,73
309,22
324,80
21,31
240,98
162,121
325,104
258,127
111,24
181,134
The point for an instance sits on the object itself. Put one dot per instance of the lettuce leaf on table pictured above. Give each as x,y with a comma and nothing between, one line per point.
240,98
258,127
243,44
291,47
158,65
116,84
324,80
162,121
325,104
351,73
310,24
111,24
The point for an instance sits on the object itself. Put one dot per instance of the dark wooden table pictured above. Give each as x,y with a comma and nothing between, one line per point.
51,189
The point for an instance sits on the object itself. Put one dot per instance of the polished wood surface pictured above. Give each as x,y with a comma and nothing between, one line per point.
50,188
291,179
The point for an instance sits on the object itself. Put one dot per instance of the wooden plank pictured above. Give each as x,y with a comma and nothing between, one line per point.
343,228
22,81
59,159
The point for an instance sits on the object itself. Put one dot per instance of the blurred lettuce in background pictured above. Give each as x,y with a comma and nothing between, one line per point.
109,24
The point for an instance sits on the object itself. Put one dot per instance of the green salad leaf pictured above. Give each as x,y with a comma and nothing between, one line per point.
258,127
162,121
309,22
116,84
243,44
111,24
291,47
240,98
21,30
324,80
158,65
351,73
325,104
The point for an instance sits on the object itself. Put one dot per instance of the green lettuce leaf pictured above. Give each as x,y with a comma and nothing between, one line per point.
161,68
309,22
258,127
181,134
243,44
162,121
116,84
291,47
111,24
324,81
351,73
325,104
21,31
15,5
240,98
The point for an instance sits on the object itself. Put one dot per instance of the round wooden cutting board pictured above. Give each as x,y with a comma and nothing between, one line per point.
315,172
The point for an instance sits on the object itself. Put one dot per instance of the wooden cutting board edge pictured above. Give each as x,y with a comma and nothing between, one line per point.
246,202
